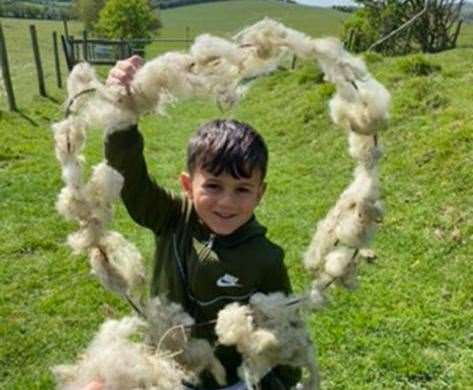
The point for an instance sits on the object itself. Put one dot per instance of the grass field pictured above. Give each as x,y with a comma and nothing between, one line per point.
408,326
223,18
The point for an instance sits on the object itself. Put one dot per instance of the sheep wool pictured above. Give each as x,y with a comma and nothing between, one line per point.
121,363
267,332
169,330
270,330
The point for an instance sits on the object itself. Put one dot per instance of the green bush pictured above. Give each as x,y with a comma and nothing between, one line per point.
371,57
417,65
127,19
310,74
421,95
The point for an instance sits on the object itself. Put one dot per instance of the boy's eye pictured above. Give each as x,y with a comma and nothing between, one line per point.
211,186
243,189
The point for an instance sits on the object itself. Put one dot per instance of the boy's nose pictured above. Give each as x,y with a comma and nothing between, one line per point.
227,200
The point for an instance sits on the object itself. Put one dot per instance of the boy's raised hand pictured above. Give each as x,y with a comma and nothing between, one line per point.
124,71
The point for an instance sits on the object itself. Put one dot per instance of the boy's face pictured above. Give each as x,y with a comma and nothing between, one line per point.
223,202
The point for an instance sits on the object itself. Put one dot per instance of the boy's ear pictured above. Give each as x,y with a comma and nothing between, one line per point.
186,184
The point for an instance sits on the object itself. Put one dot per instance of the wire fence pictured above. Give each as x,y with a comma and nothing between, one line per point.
27,84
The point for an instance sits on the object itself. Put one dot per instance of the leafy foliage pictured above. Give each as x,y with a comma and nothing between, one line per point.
417,65
88,11
430,29
127,19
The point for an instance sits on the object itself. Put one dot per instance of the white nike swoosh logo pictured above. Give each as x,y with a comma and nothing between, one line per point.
228,281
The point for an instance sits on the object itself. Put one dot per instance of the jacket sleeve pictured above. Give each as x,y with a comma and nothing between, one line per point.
148,204
278,280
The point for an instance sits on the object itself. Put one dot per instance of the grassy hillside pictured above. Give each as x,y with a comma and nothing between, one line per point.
409,323
223,18
228,17
21,59
408,326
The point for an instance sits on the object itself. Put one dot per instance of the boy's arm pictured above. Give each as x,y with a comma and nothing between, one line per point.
148,204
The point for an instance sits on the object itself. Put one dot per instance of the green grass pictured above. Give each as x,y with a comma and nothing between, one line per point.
408,326
21,59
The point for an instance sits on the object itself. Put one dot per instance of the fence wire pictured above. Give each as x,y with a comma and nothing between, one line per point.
22,63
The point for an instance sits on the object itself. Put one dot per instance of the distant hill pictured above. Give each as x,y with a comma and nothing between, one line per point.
228,17
36,9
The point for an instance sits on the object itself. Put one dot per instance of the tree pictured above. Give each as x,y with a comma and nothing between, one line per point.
88,11
426,25
127,19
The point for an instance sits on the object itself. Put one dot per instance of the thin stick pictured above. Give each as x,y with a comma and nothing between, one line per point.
402,27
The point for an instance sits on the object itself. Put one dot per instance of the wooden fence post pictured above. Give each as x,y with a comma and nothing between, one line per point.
66,28
6,72
37,58
188,36
294,62
85,46
56,60
68,52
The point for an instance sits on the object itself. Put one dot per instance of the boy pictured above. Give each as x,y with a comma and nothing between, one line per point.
211,250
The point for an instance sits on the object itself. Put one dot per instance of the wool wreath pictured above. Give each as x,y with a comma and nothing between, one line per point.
269,330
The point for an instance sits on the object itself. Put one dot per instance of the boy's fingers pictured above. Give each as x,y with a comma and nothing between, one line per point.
94,385
124,71
130,65
137,61
125,66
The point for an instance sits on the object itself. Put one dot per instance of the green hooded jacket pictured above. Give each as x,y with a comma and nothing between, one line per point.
192,266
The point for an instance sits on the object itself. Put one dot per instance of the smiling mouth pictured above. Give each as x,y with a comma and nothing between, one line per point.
225,216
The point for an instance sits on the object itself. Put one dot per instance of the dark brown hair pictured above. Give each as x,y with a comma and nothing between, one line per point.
226,145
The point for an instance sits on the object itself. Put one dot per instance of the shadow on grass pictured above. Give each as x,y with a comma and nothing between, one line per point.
27,118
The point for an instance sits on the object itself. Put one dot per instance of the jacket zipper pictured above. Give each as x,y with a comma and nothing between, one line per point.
210,242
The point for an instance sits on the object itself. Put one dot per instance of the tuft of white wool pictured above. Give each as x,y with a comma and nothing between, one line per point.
169,331
124,261
339,66
69,137
267,332
316,298
72,205
234,323
364,109
359,209
86,237
72,173
221,64
109,275
337,261
111,109
323,240
82,77
104,185
208,48
168,74
266,36
270,38
120,362
108,106
365,149
351,222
